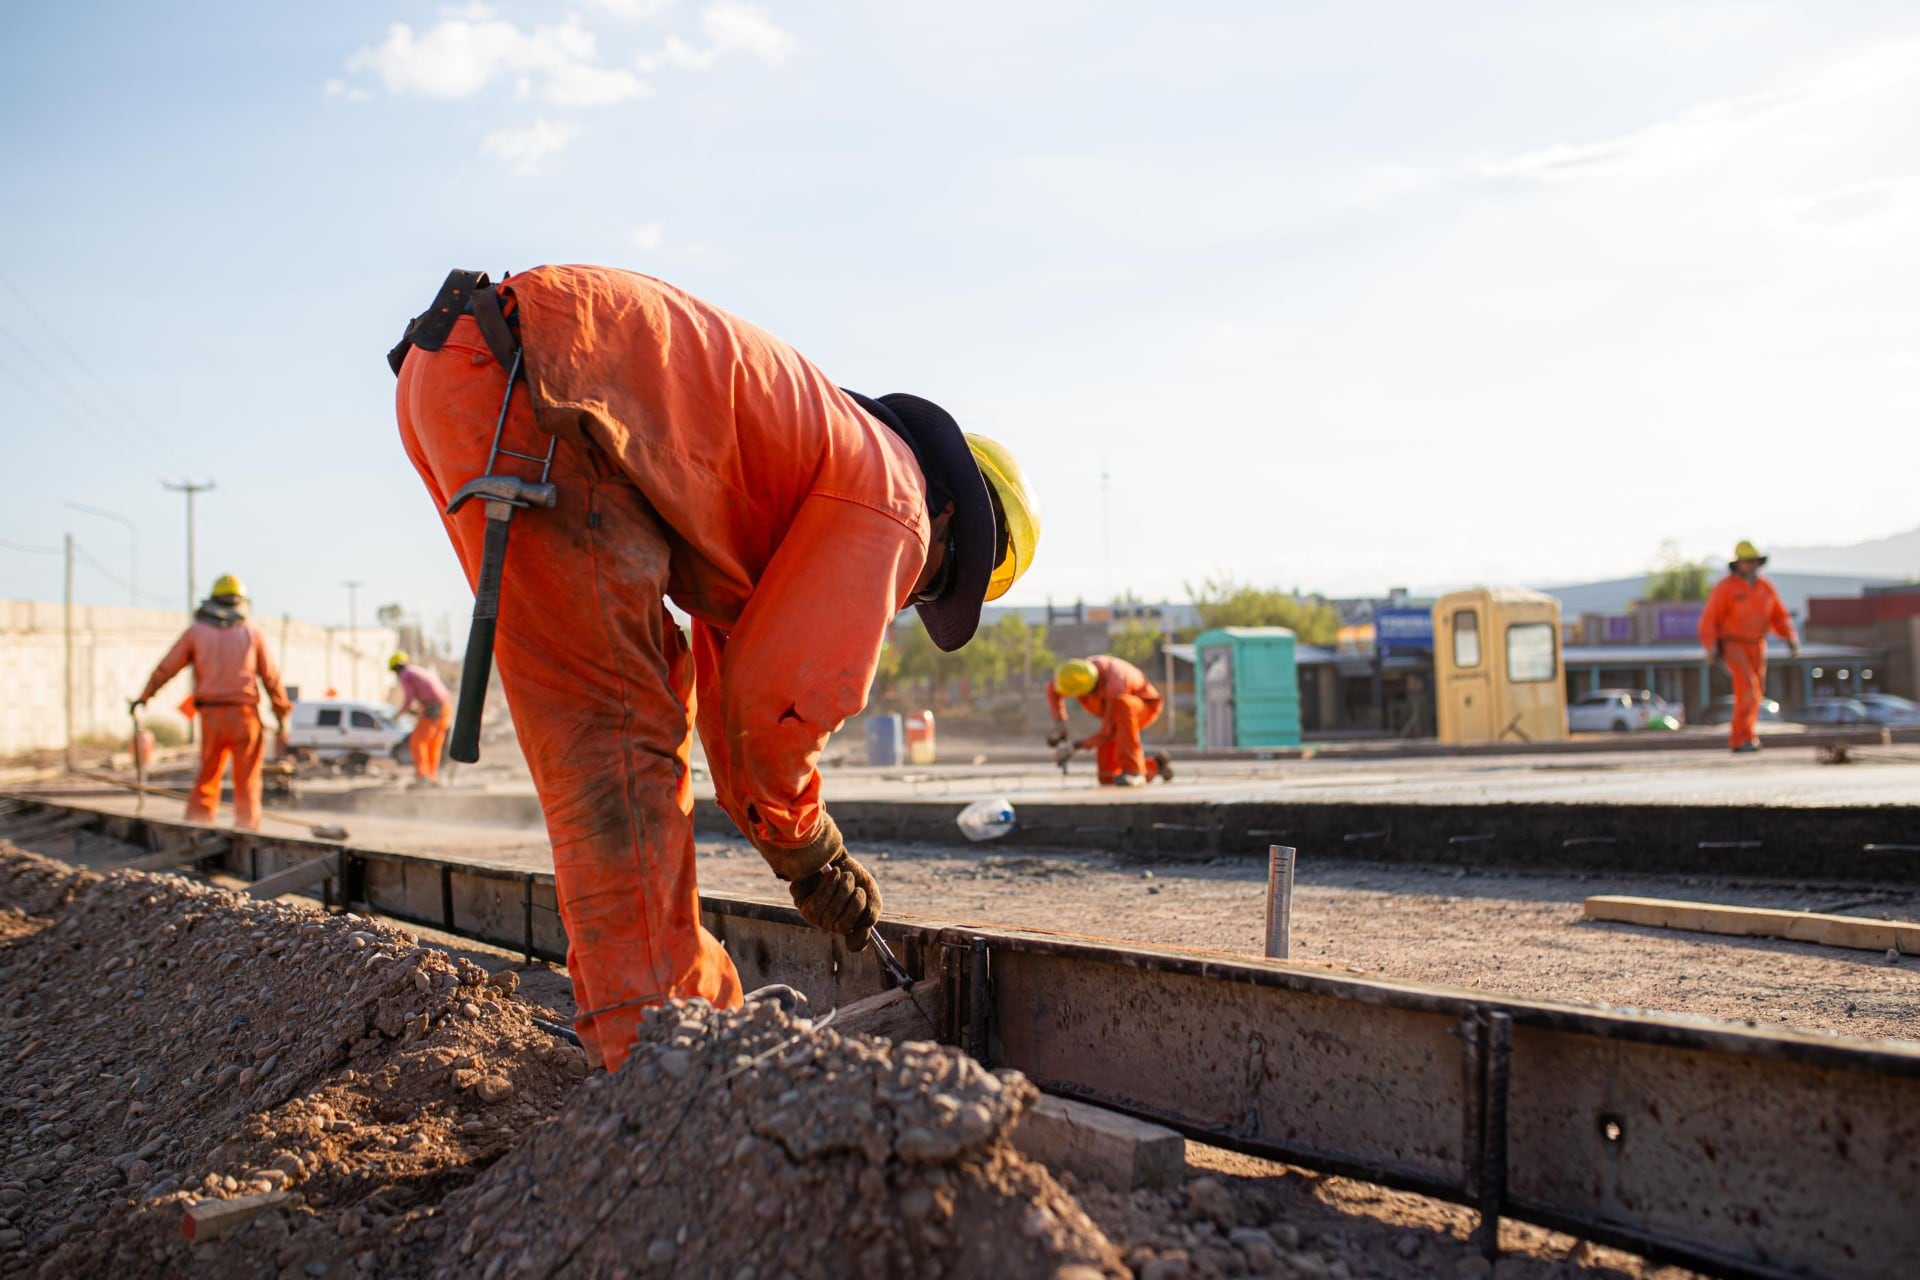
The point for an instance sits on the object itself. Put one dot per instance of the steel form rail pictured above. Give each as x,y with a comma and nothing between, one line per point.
1735,1151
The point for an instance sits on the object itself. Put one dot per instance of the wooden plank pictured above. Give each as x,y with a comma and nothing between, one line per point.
1758,922
297,876
1105,1146
893,1015
213,1218
198,849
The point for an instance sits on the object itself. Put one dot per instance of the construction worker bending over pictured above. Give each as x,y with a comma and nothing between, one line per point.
1743,608
700,460
1124,701
425,695
231,666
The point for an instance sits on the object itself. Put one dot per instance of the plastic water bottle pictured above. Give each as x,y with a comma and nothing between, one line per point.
987,819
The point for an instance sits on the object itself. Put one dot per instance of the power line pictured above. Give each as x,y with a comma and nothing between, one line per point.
32,551
26,305
54,405
114,578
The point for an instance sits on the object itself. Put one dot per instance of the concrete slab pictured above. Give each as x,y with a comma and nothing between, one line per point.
1101,1145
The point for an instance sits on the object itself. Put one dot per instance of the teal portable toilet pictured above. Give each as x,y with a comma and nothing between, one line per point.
1247,688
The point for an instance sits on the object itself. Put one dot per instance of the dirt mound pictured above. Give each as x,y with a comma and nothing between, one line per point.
162,1041
751,1143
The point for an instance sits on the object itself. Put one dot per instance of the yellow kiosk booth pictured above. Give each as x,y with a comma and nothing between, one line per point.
1496,666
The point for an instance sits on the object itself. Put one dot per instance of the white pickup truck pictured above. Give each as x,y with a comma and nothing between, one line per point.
347,732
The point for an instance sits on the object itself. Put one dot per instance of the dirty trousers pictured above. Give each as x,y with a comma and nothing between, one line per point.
1747,664
600,684
229,732
425,742
1121,751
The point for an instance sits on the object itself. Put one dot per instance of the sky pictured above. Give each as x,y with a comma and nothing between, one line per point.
1338,296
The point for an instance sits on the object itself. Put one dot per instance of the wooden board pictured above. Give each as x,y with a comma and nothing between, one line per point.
1759,922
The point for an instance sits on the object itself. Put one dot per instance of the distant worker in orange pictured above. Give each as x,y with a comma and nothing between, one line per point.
695,458
231,666
425,695
1743,608
1116,693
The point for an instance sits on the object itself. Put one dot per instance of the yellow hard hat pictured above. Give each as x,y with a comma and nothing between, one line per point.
1747,551
228,585
1076,678
398,660
1016,509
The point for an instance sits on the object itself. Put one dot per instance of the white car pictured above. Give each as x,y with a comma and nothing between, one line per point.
1622,711
348,732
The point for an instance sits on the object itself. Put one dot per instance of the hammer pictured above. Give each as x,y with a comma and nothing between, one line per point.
502,496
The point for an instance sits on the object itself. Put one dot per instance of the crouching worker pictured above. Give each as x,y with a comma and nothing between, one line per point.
1118,695
700,460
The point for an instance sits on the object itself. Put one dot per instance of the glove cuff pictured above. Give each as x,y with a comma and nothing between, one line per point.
797,864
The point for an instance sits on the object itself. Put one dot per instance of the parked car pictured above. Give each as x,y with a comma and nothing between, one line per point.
1622,711
1721,712
1832,711
1891,710
346,732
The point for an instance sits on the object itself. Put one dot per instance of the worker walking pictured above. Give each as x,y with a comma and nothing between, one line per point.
1120,696
425,695
1743,608
231,665
697,458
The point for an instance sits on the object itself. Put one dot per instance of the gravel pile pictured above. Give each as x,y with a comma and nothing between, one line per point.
162,1041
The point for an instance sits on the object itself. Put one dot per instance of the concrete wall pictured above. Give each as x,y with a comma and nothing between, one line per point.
115,649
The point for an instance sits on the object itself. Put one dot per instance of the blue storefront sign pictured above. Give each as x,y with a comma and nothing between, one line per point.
1677,622
1403,629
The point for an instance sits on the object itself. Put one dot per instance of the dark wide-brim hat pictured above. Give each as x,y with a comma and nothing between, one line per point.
946,462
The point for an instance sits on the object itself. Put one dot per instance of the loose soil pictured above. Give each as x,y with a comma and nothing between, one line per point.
163,1042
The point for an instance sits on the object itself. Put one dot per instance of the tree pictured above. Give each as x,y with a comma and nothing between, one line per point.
1136,641
1222,602
1676,578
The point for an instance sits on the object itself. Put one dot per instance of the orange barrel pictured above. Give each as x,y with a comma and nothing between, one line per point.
920,737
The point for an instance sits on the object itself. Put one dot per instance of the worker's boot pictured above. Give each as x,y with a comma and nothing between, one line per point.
1164,764
1751,744
1130,780
780,994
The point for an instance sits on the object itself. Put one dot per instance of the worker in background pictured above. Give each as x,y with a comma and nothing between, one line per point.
700,460
1124,701
423,694
231,665
1743,608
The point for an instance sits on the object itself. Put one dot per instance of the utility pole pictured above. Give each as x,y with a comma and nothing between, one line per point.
189,488
133,547
69,630
353,628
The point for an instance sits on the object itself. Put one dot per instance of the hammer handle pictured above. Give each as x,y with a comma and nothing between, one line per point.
478,664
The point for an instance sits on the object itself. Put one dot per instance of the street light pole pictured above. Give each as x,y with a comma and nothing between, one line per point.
133,547
189,488
353,628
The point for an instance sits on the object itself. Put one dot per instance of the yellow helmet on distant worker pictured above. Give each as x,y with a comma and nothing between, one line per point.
1747,551
1076,678
1016,508
228,585
398,660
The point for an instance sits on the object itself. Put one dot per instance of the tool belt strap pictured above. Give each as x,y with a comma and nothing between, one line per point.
463,293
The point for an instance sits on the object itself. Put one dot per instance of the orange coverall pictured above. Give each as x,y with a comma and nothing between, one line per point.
704,461
1738,616
1125,702
228,663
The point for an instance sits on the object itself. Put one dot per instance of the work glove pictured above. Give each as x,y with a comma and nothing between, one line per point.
830,889
840,898
1058,736
1062,753
1793,648
136,704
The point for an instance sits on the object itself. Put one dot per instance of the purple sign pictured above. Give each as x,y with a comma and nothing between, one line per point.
1619,630
1677,622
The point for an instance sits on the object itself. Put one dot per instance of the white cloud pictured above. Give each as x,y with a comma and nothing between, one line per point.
731,26
734,24
466,49
649,237
631,9
345,92
1704,133
524,149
